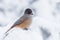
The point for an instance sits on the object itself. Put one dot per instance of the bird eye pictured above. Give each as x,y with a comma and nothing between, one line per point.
28,11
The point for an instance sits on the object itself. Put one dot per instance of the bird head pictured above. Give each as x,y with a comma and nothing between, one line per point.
28,11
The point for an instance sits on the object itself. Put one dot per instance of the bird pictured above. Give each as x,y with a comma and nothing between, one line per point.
22,21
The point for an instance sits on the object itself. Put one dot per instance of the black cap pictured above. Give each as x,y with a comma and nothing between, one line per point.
28,11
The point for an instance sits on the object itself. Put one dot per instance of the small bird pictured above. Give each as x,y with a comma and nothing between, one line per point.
23,20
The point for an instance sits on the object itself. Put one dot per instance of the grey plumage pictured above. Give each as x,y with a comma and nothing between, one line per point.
27,15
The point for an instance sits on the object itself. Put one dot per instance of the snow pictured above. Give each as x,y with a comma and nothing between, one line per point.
19,34
47,16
